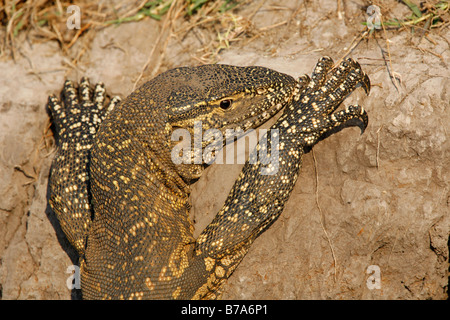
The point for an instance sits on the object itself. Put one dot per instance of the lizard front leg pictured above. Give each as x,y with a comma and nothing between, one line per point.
76,122
257,200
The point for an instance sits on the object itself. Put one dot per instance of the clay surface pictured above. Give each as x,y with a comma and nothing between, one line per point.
365,208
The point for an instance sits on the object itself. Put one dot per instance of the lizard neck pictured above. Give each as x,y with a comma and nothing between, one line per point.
123,160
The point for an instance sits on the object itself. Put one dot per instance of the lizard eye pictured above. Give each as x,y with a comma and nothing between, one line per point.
225,104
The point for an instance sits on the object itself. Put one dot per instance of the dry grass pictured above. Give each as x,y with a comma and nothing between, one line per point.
430,14
430,17
182,17
44,20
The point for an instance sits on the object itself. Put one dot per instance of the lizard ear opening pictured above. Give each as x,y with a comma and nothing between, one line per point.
226,104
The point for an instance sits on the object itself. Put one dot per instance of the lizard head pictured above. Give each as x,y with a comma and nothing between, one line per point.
227,97
218,98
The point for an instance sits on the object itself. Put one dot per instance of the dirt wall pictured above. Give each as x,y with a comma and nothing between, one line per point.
365,208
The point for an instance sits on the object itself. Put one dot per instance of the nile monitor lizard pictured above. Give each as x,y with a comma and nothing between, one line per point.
123,203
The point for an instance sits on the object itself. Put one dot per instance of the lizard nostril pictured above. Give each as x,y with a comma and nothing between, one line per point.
225,104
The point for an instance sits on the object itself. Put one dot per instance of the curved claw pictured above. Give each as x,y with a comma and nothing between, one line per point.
366,83
321,70
365,120
304,79
302,82
69,94
326,60
354,115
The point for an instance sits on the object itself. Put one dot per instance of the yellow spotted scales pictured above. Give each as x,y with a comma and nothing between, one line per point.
124,204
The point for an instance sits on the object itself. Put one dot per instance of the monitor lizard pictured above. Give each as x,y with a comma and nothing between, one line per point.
124,204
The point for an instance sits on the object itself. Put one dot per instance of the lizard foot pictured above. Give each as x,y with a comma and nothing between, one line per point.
76,121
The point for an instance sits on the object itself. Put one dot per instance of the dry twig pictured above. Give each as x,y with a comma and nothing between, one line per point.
321,215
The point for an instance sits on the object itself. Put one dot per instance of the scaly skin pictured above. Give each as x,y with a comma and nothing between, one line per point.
123,203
